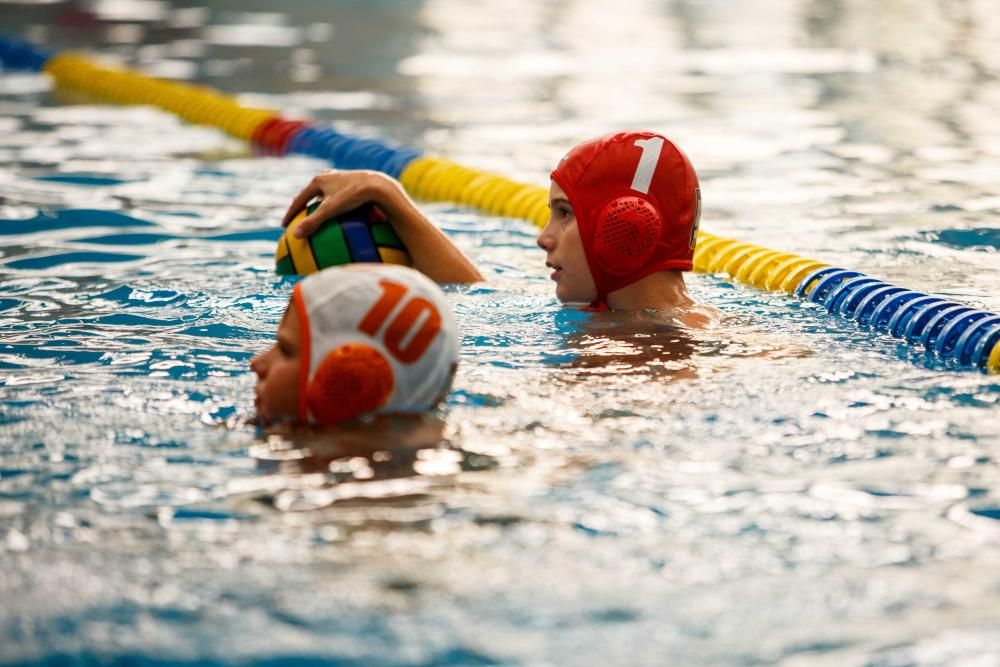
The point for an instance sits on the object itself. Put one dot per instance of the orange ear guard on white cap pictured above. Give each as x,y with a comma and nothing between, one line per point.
375,338
352,379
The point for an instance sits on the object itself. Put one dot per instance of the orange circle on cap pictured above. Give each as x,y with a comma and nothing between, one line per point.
352,379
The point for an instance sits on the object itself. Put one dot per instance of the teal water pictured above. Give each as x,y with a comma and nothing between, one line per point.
785,489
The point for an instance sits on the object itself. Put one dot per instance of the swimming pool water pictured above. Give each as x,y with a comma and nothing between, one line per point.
785,489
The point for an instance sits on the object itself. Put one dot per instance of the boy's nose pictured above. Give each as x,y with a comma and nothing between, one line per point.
544,239
257,364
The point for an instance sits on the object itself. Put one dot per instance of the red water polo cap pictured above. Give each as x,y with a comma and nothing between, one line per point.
637,205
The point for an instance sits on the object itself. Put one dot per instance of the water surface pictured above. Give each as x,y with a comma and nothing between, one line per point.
786,489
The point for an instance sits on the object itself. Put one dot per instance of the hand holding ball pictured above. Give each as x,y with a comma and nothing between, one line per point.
360,235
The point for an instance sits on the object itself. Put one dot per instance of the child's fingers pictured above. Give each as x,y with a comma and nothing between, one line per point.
301,199
327,208
298,204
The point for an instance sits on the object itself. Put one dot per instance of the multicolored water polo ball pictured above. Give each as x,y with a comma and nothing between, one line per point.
361,235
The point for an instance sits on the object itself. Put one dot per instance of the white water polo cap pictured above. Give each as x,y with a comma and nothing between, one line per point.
374,338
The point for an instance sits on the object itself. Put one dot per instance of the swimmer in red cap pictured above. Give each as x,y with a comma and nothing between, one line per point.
625,210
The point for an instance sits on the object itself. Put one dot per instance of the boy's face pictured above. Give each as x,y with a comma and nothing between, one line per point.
277,369
560,239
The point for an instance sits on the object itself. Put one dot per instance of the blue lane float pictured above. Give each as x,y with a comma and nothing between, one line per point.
944,328
16,54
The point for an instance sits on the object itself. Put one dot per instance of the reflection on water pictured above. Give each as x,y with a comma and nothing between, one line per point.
656,345
780,489
380,462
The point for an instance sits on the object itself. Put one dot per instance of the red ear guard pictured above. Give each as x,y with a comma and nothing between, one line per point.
352,379
626,235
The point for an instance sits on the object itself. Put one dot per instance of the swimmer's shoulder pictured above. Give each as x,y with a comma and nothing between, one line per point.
699,316
695,316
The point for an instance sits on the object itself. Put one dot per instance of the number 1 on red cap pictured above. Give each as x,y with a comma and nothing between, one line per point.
647,163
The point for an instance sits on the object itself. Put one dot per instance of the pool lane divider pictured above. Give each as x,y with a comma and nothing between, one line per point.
967,336
946,329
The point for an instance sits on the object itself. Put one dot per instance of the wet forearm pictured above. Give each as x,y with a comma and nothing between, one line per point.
433,253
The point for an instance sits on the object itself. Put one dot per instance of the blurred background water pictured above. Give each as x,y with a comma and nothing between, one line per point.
784,490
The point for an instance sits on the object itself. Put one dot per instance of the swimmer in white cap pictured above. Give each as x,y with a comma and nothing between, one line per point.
358,340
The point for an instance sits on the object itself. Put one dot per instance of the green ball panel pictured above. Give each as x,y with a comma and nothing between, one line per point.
285,267
385,236
329,246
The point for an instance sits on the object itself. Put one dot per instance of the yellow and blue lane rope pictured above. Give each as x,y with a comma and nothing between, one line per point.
947,329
